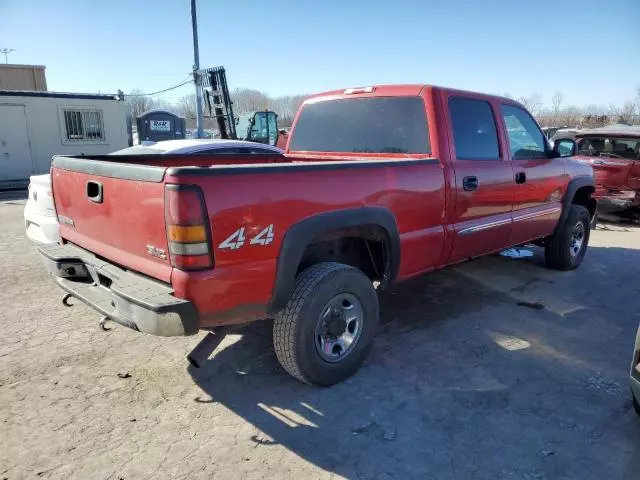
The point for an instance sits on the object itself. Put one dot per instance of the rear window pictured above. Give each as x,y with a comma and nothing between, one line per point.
363,125
607,146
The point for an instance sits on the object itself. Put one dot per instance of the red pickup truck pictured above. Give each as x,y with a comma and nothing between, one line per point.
378,184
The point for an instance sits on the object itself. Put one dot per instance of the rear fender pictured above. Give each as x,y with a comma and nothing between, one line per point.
302,234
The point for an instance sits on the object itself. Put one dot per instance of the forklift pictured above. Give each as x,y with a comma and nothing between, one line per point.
257,126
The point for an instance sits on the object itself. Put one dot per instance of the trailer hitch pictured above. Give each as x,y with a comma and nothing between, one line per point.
65,300
103,324
103,321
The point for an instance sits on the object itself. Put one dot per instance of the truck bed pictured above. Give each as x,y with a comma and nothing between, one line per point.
131,203
128,227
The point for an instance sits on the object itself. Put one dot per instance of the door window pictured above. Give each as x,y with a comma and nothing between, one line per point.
525,137
272,120
474,129
264,128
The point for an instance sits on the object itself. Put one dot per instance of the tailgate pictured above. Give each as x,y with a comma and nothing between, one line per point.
115,210
612,173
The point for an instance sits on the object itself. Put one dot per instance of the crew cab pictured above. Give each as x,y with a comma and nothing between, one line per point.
377,185
614,154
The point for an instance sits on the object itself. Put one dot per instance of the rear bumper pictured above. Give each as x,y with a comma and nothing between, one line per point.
127,298
617,201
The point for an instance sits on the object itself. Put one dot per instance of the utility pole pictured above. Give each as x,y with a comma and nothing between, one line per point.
6,52
197,75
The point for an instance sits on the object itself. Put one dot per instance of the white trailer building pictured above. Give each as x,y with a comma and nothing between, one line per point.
35,125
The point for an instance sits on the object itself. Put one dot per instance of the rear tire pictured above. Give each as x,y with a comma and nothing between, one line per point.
307,334
566,248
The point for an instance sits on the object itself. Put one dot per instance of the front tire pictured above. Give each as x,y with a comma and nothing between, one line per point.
566,248
326,330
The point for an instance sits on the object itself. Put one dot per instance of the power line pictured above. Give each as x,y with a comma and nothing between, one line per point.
159,91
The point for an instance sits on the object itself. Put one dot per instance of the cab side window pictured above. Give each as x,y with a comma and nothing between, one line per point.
474,129
526,140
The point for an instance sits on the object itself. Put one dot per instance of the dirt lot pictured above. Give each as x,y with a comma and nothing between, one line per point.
463,383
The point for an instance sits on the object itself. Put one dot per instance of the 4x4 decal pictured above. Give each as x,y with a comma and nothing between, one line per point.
237,238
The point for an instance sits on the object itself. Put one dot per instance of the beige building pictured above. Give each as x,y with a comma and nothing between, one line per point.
36,125
22,77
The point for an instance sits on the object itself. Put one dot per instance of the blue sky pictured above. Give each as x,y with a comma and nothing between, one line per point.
587,49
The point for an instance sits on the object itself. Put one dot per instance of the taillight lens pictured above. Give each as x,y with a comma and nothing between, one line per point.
187,227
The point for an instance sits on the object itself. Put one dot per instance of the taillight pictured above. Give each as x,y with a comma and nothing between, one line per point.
187,227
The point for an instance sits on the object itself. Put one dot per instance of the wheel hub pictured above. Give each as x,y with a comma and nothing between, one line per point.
336,324
339,327
577,239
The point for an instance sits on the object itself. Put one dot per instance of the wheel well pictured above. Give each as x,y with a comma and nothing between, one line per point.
583,197
365,247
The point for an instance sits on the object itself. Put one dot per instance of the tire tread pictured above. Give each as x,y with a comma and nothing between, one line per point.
284,326
557,254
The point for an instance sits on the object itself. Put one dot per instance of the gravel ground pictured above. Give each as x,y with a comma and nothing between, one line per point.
466,381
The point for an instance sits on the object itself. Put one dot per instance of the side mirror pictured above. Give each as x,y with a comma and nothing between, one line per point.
564,147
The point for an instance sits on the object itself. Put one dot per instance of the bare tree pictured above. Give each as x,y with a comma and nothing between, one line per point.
186,106
589,116
248,100
593,109
628,112
164,104
244,100
533,102
570,116
623,114
556,102
138,102
286,108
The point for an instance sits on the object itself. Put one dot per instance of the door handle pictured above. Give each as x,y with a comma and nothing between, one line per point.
470,183
521,177
94,191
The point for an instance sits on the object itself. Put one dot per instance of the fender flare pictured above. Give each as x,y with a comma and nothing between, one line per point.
301,234
574,185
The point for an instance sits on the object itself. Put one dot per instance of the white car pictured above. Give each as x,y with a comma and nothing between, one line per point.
39,213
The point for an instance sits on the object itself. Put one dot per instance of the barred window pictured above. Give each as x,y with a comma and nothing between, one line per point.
83,125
